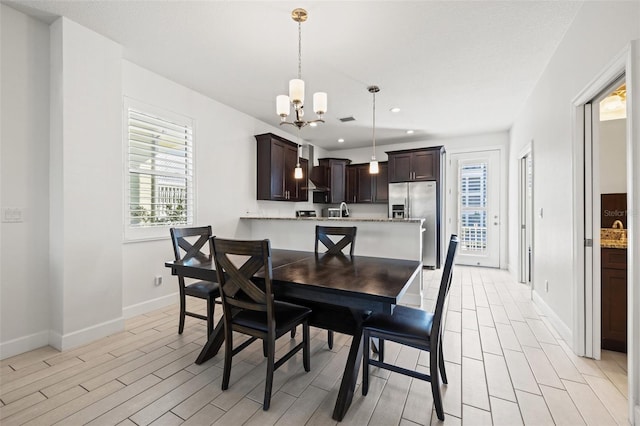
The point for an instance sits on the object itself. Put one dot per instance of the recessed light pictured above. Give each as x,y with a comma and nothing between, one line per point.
395,109
409,132
340,140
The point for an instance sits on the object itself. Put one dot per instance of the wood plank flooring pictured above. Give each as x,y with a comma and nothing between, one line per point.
505,363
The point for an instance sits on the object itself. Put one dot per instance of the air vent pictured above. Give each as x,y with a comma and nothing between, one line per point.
346,119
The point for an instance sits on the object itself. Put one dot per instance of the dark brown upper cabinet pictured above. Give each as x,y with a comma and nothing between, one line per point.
276,161
363,187
413,165
330,179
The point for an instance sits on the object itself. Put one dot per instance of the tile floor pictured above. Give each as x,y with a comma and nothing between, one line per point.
505,362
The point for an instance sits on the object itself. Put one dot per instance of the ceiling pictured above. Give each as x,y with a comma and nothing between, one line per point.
452,67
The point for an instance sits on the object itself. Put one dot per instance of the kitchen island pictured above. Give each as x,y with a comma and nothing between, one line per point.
377,237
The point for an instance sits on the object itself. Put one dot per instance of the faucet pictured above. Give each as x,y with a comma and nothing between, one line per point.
346,209
617,225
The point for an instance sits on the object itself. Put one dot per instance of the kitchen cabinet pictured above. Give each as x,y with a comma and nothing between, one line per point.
330,179
614,299
276,161
414,165
363,187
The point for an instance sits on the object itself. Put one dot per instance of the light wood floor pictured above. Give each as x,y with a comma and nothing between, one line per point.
505,362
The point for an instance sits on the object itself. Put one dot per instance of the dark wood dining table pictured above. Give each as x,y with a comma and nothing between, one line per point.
341,291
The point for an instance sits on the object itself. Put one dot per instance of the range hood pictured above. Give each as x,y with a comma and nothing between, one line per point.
319,177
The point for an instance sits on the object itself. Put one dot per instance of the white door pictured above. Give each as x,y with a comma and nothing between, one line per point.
475,213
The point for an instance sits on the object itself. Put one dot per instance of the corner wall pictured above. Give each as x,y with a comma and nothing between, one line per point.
546,120
24,176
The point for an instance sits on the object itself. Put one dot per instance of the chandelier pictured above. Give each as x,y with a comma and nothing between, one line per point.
373,164
296,89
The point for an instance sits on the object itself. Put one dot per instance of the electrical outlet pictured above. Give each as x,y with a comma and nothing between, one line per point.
546,286
157,280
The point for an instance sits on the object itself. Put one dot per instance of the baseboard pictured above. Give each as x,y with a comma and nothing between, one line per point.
149,305
24,344
86,335
564,331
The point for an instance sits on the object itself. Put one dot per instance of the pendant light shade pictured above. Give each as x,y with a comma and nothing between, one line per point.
373,164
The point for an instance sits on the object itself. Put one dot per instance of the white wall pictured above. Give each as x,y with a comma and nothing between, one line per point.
613,156
86,202
24,175
225,168
546,120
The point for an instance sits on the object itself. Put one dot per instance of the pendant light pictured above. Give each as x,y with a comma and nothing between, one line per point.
373,164
297,172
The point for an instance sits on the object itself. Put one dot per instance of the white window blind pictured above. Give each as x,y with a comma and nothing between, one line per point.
473,207
159,181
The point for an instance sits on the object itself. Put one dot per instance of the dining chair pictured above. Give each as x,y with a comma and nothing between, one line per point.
416,328
348,234
323,233
249,307
189,243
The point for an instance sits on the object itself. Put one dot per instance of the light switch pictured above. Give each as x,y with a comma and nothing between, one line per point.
540,212
12,215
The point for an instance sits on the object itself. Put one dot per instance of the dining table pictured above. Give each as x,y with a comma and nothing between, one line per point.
341,290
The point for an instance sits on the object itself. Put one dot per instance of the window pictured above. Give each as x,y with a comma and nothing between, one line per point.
159,178
473,206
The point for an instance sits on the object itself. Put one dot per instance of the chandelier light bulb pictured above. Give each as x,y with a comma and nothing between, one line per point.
296,90
297,173
282,106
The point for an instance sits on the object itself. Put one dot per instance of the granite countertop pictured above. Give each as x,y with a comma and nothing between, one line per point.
337,219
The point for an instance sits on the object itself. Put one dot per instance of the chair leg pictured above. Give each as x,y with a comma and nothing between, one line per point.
330,339
293,332
183,310
265,349
211,309
365,364
271,349
443,373
228,355
380,350
306,349
435,384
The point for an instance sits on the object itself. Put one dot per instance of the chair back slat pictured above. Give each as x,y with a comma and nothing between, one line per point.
237,288
443,292
183,246
348,234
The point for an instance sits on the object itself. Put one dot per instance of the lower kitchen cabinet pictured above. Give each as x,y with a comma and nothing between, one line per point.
614,299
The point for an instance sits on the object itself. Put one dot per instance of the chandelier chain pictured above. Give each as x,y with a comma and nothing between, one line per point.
299,50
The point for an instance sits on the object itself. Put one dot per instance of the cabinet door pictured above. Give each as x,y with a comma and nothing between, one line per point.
278,166
290,182
338,181
423,165
400,167
381,184
614,309
352,184
364,194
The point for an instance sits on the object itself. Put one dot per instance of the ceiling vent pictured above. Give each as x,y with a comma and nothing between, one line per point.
346,119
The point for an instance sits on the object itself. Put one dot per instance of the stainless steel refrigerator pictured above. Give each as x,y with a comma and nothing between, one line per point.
417,200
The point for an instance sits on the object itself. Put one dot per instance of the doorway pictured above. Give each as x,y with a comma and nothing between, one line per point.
475,177
583,331
525,195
